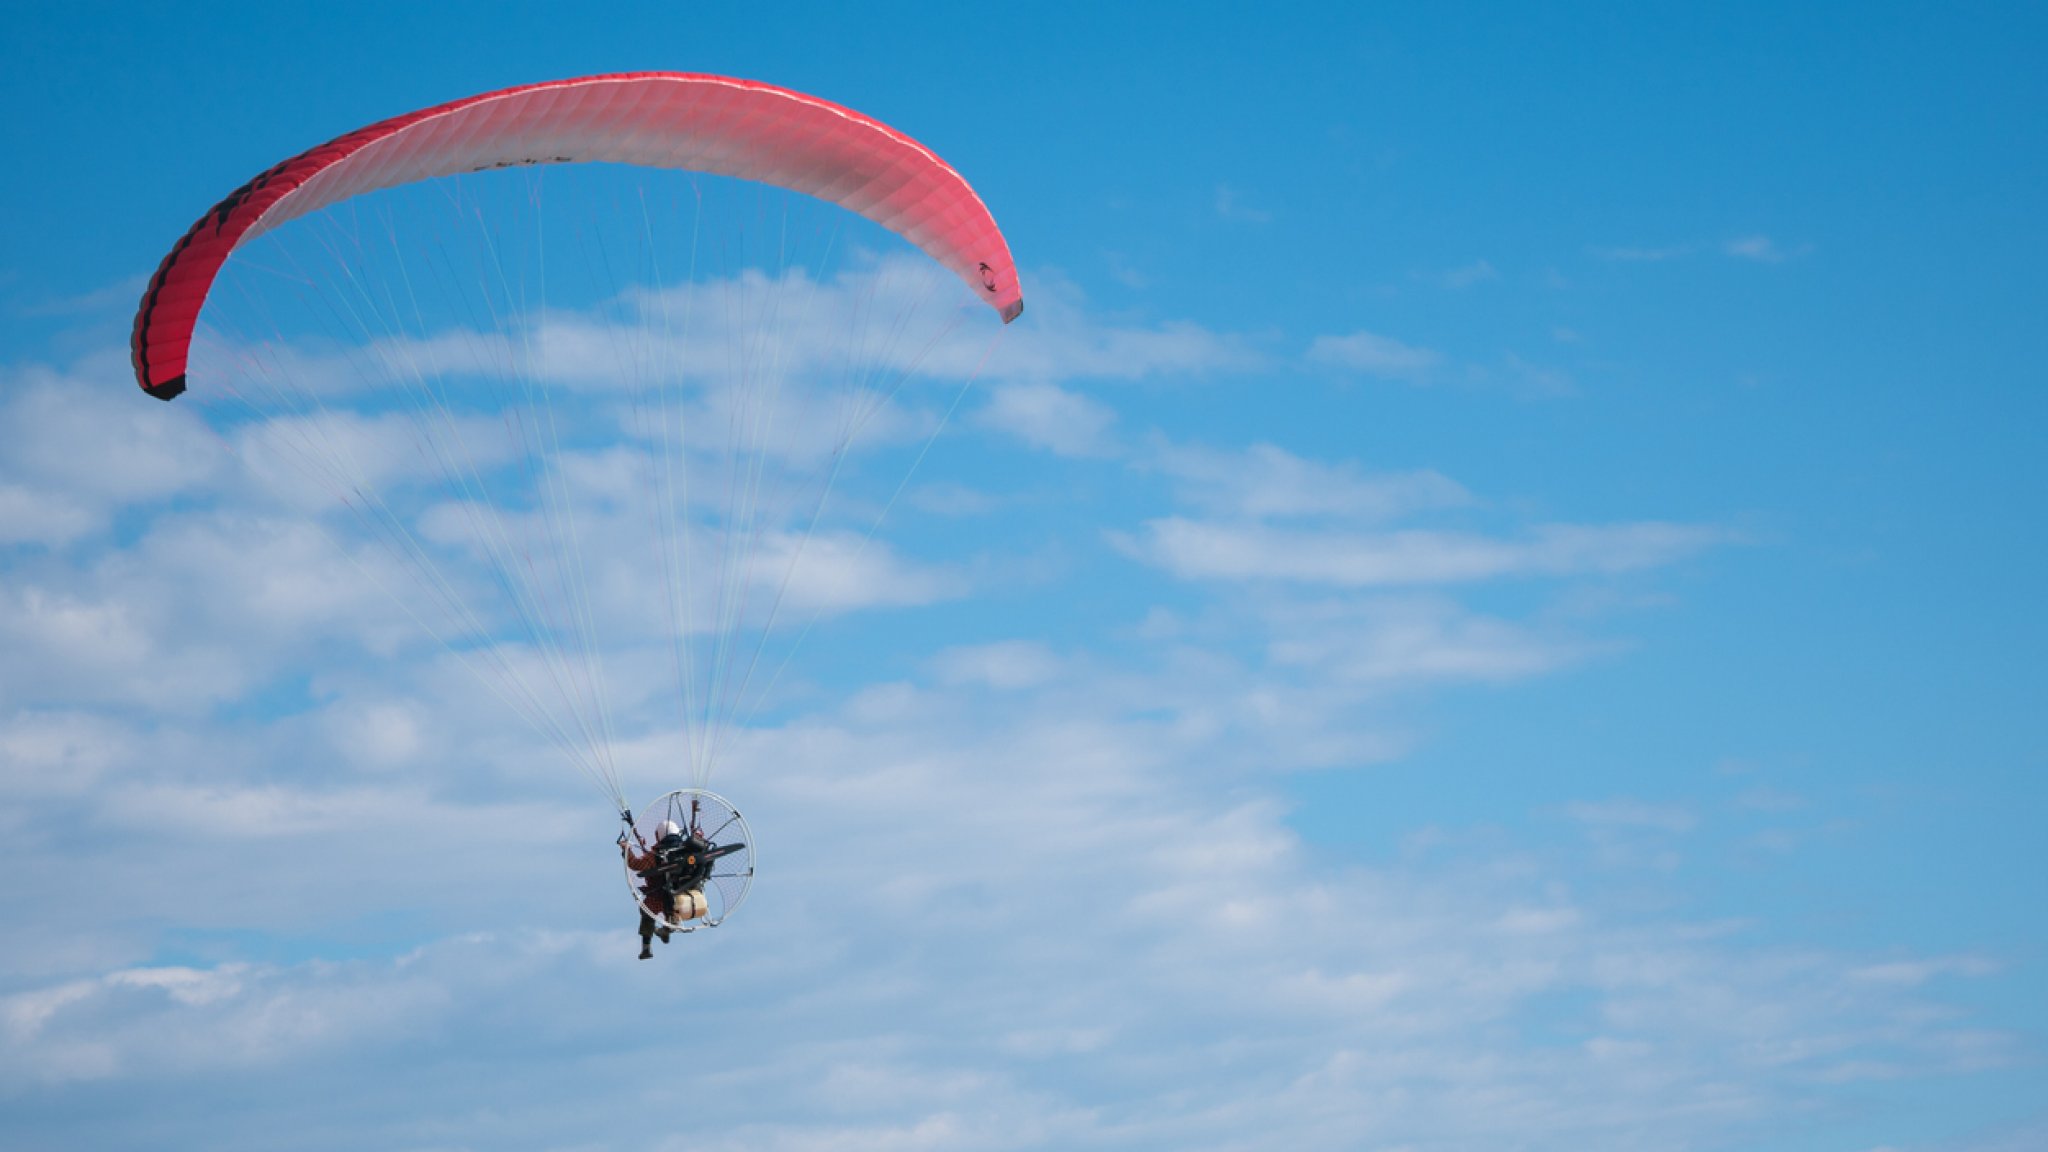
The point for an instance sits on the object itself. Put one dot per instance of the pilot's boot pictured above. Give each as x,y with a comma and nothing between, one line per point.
646,935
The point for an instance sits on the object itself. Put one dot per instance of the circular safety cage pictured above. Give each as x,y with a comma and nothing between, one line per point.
691,859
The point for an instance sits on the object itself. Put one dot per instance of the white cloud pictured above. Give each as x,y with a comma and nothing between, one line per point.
198,610
312,463
1770,800
982,908
1641,254
1050,417
1007,665
132,1021
1631,836
1756,247
842,572
1477,272
1047,898
1231,205
1198,550
944,498
1536,381
1631,814
379,735
978,918
1759,248
1061,340
887,327
1914,973
1411,641
32,516
98,445
1125,272
59,752
1266,481
120,297
1373,355
208,603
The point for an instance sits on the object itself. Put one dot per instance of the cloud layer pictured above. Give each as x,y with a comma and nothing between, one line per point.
1042,890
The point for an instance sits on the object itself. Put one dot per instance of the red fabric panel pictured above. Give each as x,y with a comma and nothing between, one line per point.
658,119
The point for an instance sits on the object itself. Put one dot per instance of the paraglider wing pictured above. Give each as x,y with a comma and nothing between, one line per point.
700,123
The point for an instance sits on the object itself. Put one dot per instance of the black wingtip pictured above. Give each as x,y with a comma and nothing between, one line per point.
168,390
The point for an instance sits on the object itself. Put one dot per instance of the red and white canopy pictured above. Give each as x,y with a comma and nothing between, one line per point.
700,123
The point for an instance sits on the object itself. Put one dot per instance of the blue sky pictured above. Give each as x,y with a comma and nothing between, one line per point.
1553,500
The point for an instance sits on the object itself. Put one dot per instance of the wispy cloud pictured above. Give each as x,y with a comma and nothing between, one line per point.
1372,355
1064,341
1755,247
62,752
1537,381
1383,357
1125,272
1639,254
95,450
1444,960
1631,814
118,298
1411,641
1759,248
1266,481
1050,417
1200,550
1465,276
1009,665
1231,205
1033,827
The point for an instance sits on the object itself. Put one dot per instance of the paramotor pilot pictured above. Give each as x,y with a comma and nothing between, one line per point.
672,871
